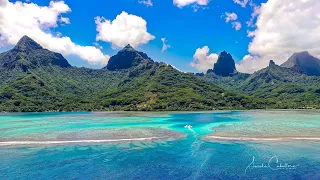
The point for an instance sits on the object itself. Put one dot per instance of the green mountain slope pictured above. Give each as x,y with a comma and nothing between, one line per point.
157,86
36,79
127,58
29,54
287,87
71,89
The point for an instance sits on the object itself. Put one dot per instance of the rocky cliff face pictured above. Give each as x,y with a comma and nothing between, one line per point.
225,65
303,62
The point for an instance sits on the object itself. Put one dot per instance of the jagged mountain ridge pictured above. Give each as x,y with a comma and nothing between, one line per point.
303,62
225,65
45,84
285,85
29,54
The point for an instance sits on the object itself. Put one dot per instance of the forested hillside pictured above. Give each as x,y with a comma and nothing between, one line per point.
36,79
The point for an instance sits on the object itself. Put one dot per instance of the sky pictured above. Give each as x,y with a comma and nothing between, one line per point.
188,34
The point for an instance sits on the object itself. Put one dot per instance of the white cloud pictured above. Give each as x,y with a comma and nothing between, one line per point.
64,20
146,2
96,44
242,3
18,19
248,64
125,29
231,16
202,60
165,46
182,3
236,25
59,6
250,33
254,14
59,34
196,7
284,27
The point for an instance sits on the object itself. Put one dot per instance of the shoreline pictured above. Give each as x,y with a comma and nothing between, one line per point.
165,111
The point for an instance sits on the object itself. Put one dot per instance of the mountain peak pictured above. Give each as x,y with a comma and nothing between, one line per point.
29,54
127,58
272,63
224,52
303,53
128,48
27,44
303,62
225,64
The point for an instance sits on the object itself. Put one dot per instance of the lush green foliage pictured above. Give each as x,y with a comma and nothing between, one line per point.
54,89
127,58
36,79
149,86
285,87
157,86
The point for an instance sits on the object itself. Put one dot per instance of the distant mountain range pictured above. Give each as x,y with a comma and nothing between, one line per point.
295,84
35,79
303,62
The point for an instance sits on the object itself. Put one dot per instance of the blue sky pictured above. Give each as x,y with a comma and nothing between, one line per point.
184,29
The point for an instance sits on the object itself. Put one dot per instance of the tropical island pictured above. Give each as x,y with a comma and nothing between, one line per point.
34,79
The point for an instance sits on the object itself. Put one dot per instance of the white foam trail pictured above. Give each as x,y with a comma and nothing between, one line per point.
192,130
74,142
197,143
204,162
261,139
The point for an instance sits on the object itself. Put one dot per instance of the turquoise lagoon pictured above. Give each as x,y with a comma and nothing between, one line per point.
126,145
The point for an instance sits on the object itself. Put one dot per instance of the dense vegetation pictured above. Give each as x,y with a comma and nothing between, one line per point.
131,81
54,88
284,86
157,86
33,79
149,86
